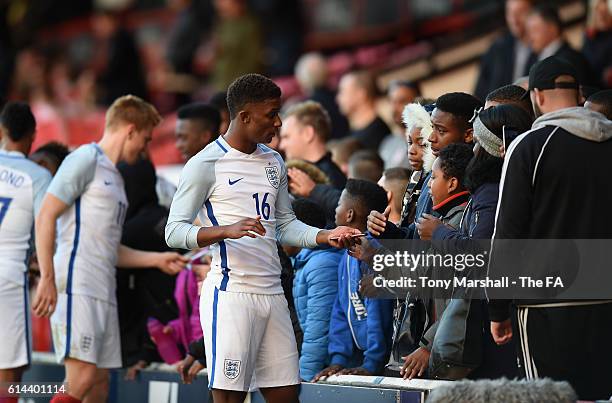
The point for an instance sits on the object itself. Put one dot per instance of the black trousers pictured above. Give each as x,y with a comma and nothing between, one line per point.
568,343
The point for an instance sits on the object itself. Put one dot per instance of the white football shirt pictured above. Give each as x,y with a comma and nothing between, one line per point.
222,186
22,186
89,231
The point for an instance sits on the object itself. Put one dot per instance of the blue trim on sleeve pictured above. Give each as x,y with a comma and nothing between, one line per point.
221,145
214,338
77,230
222,247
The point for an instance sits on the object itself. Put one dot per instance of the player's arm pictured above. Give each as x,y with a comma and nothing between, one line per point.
291,231
68,184
194,189
45,230
168,262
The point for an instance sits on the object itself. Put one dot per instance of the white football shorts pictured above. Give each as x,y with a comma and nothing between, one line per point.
86,329
248,339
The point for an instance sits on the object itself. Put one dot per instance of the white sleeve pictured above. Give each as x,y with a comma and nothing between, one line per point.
74,174
195,187
289,230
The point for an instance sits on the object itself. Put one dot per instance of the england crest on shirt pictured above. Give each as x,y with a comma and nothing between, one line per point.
231,368
273,176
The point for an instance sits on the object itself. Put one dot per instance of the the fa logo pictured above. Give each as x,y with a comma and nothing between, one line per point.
273,176
86,342
231,368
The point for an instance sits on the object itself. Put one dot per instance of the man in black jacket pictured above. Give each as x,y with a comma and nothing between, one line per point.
509,57
544,196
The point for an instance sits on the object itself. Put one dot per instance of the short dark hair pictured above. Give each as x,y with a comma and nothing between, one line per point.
454,159
549,13
603,99
405,84
367,194
460,105
208,116
219,101
508,92
511,94
55,150
309,212
250,88
367,165
18,119
397,174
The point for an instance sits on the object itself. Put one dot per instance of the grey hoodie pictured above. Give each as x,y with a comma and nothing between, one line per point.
579,121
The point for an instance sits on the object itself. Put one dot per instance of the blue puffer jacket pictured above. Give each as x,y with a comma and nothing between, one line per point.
360,328
314,289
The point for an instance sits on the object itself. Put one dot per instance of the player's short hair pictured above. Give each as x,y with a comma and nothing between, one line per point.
460,105
208,116
366,165
55,150
219,101
250,88
309,212
454,159
311,113
397,174
365,80
130,109
367,194
603,99
18,120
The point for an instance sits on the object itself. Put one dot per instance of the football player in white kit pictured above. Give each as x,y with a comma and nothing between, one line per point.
22,186
86,198
248,335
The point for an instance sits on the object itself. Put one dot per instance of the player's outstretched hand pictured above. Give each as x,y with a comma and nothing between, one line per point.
46,297
343,237
300,183
332,369
171,262
246,227
377,221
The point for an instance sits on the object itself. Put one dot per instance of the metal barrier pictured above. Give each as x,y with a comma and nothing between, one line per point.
160,383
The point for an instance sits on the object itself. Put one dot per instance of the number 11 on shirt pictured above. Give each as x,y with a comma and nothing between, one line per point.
264,211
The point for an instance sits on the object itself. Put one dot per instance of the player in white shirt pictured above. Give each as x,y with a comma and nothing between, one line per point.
22,186
247,331
86,199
